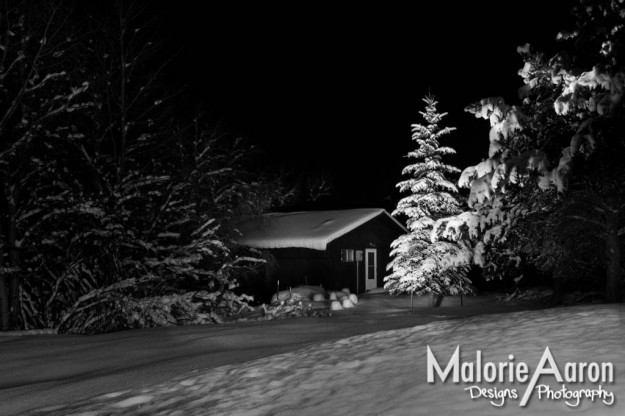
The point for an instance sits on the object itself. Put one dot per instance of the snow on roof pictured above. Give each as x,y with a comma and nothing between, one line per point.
306,229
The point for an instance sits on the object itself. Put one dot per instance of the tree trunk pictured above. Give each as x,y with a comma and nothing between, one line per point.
4,305
436,300
4,294
558,295
613,278
14,257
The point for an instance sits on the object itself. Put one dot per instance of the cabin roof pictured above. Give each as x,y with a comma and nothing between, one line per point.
306,229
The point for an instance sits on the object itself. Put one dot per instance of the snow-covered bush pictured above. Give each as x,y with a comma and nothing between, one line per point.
189,308
287,308
113,197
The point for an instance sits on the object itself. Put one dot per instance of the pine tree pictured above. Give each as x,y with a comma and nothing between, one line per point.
421,265
555,159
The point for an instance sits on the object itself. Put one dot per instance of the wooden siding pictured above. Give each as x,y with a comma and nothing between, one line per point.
299,266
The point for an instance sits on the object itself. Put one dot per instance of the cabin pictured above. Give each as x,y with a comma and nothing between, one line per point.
333,249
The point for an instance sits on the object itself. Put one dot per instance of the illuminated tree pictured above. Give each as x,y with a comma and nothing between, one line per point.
565,140
419,265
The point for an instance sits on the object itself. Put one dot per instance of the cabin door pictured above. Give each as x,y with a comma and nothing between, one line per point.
371,268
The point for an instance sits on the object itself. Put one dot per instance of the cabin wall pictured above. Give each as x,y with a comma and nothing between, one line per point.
299,266
291,267
377,233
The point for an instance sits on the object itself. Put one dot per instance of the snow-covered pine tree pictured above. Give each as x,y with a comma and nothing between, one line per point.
556,158
420,265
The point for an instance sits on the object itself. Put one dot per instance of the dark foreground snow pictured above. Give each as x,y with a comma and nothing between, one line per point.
384,373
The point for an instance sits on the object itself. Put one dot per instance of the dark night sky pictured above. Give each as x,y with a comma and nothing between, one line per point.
327,88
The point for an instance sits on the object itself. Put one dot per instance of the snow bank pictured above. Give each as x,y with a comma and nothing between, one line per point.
385,372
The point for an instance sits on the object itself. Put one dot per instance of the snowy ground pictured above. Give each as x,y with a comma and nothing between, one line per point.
382,373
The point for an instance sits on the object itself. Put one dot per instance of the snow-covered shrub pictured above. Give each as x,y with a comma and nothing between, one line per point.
288,308
189,308
318,297
300,293
112,196
335,305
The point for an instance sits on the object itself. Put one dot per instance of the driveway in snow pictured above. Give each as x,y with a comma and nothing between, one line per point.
50,370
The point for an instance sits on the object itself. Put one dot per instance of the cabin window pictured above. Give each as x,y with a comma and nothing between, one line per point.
347,254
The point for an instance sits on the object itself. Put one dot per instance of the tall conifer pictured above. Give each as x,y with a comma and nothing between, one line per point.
420,265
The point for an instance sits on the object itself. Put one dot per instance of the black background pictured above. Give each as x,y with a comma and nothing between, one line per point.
327,88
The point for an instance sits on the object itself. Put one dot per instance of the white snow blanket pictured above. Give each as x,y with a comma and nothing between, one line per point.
385,373
306,229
